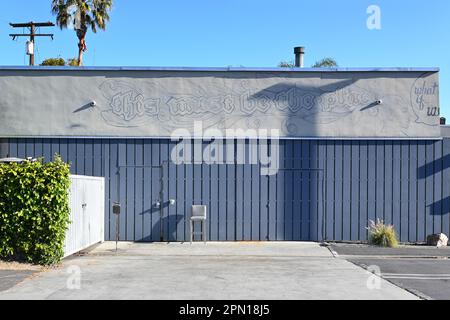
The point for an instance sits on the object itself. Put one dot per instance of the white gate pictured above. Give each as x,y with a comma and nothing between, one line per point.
87,213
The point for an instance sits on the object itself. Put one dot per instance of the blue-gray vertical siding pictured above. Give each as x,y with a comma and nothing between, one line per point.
325,190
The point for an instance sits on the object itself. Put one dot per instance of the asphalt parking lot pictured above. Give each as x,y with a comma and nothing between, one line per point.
424,271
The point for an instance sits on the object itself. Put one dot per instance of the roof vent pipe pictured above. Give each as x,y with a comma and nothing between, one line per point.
299,57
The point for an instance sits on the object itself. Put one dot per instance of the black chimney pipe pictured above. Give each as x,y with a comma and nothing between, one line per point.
299,56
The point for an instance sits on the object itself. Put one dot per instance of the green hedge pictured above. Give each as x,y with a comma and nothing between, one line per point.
34,211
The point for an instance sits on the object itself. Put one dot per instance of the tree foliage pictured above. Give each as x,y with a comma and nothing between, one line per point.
325,63
73,62
34,211
60,62
286,64
53,62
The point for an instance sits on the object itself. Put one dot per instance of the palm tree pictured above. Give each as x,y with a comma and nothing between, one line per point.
82,15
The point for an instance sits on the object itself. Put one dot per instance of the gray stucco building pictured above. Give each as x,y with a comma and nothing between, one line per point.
275,154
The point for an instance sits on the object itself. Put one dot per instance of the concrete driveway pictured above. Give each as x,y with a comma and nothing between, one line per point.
214,271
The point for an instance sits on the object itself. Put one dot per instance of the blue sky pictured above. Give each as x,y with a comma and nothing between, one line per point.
250,33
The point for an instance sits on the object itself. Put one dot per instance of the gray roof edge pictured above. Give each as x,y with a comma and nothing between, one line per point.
222,69
445,131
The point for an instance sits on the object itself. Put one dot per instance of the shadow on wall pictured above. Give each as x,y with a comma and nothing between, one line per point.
166,227
432,167
441,207
303,110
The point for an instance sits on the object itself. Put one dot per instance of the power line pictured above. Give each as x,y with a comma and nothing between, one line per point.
32,28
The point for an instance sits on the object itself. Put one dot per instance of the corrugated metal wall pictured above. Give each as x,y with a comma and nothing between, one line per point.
403,182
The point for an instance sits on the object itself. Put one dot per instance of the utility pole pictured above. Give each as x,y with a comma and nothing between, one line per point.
32,28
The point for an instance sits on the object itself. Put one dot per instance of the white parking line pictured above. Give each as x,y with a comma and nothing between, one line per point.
416,276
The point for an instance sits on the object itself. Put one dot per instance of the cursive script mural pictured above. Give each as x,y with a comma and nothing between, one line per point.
128,107
243,105
423,100
150,103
